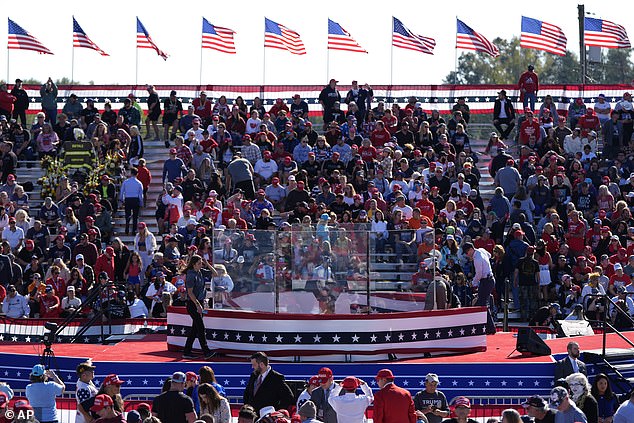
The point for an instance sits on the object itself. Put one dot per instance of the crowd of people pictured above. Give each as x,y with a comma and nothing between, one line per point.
266,200
198,397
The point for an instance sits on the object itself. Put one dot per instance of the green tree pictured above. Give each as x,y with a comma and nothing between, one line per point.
478,68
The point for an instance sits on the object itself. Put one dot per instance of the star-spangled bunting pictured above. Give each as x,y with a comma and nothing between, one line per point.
143,40
218,38
404,38
602,33
19,39
468,39
542,36
80,39
280,37
340,39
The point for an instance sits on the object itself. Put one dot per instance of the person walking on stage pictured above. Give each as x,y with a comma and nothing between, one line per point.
132,199
195,285
483,279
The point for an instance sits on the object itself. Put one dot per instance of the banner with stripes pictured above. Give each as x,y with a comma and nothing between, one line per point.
479,98
240,332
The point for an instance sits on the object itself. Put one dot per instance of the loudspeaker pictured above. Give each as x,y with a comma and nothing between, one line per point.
529,342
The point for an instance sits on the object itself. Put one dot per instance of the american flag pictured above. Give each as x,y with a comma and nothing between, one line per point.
602,33
218,38
542,36
80,39
404,38
143,40
20,39
468,39
280,37
340,39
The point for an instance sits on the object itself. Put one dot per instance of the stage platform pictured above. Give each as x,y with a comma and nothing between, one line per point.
144,362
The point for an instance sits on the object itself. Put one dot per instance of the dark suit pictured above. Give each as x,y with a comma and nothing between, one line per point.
273,391
325,412
564,368
393,404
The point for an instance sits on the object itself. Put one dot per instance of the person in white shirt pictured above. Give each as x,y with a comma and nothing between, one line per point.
13,234
265,168
350,407
70,303
15,305
573,143
313,384
621,292
602,108
483,278
461,185
136,306
85,389
403,207
253,124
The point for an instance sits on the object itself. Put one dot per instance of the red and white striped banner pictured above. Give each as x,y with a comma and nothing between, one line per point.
240,332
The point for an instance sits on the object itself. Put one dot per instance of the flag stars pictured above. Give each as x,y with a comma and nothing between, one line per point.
520,383
355,338
388,337
421,382
279,338
264,338
406,383
373,338
316,339
335,338
454,383
251,338
214,335
15,339
461,331
226,336
27,339
536,383
226,381
487,383
243,382
298,338
238,337
450,333
128,382
471,383
438,333
503,383
414,335
172,330
400,336
373,382
473,330
426,335
145,381
183,331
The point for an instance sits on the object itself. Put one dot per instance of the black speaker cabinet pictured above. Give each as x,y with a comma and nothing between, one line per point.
529,342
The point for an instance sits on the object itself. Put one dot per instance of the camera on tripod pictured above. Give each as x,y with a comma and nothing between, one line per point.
49,337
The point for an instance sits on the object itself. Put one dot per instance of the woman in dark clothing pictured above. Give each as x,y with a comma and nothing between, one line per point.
195,285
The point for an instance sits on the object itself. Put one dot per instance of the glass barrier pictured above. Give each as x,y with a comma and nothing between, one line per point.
314,269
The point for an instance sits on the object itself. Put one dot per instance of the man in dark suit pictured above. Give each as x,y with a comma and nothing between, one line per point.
503,114
392,404
570,364
320,396
266,387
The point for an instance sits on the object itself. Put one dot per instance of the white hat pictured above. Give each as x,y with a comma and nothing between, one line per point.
265,411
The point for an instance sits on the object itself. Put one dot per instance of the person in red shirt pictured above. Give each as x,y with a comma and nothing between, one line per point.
425,206
530,128
380,136
6,101
49,304
608,268
485,241
528,86
465,204
202,107
368,152
390,121
576,234
618,279
588,122
145,177
620,257
392,404
278,107
57,282
105,263
240,222
581,270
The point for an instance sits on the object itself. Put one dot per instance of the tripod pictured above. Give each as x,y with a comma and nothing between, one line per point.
47,358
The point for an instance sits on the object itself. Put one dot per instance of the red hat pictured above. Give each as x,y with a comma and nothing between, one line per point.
246,137
112,379
350,383
622,251
602,213
144,405
579,258
63,229
92,197
314,381
98,206
418,153
59,237
109,251
311,154
141,225
510,162
287,159
12,220
173,151
191,376
29,244
385,373
4,399
92,231
11,177
561,169
90,219
22,404
266,153
193,247
101,401
462,401
308,124
336,153
325,374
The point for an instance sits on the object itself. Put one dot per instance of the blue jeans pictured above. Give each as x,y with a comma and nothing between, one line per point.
530,98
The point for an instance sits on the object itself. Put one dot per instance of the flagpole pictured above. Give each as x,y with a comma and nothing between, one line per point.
392,57
136,68
8,50
327,62
455,61
72,67
200,76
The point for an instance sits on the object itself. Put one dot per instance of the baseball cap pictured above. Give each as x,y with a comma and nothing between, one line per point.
49,288
82,367
112,379
618,266
133,417
101,401
385,373
535,401
314,381
350,382
191,376
557,395
265,411
179,377
324,374
462,402
432,377
38,370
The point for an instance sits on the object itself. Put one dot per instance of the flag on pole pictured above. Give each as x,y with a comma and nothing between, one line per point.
340,39
280,37
143,40
20,39
218,38
404,38
468,39
542,36
602,33
80,39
